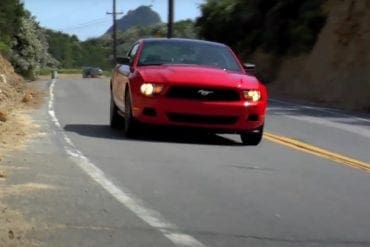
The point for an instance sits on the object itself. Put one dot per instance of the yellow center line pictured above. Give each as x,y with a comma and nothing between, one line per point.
301,146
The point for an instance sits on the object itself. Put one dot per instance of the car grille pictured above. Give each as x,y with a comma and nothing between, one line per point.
201,119
203,94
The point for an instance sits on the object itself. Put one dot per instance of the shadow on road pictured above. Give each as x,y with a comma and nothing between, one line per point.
152,134
96,131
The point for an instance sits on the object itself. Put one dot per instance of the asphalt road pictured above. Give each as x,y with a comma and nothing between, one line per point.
170,188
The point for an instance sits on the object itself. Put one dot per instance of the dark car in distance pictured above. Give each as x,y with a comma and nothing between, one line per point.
91,72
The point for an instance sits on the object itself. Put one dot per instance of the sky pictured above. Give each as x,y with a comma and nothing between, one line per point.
88,18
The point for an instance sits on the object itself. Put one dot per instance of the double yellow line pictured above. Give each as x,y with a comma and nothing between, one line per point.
307,148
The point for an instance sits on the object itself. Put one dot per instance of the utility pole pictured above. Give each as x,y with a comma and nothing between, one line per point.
170,18
114,13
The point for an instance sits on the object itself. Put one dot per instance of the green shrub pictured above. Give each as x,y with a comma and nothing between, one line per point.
107,73
4,49
44,71
69,71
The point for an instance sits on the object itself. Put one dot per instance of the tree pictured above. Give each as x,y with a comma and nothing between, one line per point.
279,27
30,48
11,12
67,49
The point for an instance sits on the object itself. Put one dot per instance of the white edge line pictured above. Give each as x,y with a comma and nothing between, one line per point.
151,217
331,111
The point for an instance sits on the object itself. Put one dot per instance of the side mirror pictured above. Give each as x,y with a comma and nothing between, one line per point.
123,60
124,69
249,67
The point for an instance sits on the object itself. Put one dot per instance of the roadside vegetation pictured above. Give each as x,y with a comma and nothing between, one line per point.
280,37
264,32
278,27
288,27
22,40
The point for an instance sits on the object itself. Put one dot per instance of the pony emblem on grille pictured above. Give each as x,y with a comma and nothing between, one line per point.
205,92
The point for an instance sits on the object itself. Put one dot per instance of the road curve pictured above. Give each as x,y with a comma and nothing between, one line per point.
201,190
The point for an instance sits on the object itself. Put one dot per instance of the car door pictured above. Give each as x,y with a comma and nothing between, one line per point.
121,78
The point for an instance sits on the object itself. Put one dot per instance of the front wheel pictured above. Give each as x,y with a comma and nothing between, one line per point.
130,129
252,138
116,120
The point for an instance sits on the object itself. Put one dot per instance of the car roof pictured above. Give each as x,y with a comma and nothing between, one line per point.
174,40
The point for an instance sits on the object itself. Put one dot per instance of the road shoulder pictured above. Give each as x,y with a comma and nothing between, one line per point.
46,199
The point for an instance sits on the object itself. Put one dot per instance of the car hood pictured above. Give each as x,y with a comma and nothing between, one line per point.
196,75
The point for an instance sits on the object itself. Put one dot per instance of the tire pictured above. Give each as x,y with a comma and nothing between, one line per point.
130,129
116,121
252,138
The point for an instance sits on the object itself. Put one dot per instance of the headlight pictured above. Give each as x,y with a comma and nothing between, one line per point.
149,89
252,95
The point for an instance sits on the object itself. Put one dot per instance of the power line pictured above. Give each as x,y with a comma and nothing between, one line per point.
85,24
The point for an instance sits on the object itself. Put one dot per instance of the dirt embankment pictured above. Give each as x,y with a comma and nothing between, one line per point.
11,88
15,98
16,127
337,71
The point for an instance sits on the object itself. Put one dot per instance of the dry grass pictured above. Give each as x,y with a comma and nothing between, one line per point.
3,116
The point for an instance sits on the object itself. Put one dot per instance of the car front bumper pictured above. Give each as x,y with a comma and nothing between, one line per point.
227,117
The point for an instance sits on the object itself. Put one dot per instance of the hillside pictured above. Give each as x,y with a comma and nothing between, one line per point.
337,71
11,86
310,50
142,16
15,97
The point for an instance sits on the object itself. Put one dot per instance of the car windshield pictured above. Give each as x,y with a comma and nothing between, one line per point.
188,52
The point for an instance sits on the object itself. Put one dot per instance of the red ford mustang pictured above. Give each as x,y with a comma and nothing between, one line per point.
188,83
